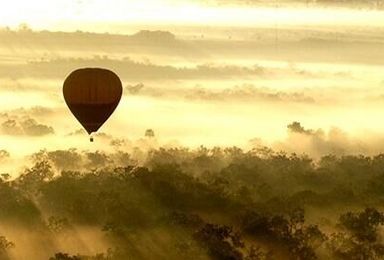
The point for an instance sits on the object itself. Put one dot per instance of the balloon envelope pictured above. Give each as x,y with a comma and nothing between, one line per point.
92,94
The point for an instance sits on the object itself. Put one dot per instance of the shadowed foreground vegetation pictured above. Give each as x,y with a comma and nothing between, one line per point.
203,204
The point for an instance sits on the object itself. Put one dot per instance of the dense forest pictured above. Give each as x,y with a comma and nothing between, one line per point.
196,204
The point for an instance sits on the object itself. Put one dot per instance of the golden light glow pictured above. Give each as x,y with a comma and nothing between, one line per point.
61,14
316,72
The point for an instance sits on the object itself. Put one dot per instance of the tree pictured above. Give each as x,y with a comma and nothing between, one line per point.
221,242
5,245
359,238
290,232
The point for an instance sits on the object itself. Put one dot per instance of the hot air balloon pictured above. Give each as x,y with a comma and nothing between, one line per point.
92,94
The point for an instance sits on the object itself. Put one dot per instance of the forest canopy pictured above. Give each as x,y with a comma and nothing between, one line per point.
219,203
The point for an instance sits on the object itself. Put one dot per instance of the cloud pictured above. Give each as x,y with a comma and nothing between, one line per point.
143,42
134,89
32,111
40,110
25,126
245,92
11,127
78,132
33,128
248,92
4,155
98,135
118,142
128,69
318,143
102,137
154,36
296,127
329,3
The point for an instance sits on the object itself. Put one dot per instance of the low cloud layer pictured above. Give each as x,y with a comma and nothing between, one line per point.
245,92
320,142
374,4
248,92
32,111
129,69
4,155
24,126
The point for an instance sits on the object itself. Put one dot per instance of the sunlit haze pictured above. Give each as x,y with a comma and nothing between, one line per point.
191,129
100,15
196,72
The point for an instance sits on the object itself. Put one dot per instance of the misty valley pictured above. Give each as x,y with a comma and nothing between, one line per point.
193,204
246,135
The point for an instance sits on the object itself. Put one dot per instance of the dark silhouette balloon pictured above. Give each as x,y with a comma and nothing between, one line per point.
92,94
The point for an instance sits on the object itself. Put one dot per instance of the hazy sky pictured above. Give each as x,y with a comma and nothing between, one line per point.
295,78
247,79
81,14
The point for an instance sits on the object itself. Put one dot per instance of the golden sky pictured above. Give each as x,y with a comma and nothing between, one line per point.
201,84
81,14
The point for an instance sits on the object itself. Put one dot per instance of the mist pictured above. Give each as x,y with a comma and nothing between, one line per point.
246,130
